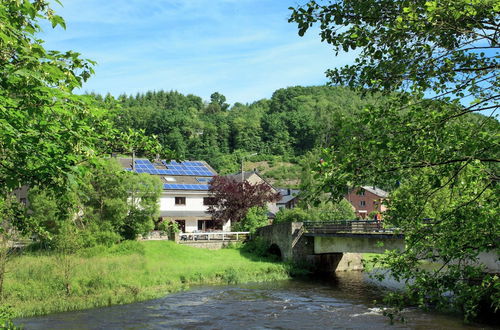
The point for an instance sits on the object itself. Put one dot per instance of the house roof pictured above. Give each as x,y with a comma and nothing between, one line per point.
377,191
178,213
287,195
246,176
175,176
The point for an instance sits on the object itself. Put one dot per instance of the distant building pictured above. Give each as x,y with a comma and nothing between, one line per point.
366,200
185,198
289,198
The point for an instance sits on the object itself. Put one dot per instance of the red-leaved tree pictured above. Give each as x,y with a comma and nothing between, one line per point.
232,199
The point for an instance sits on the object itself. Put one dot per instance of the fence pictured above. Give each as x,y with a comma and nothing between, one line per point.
212,236
345,226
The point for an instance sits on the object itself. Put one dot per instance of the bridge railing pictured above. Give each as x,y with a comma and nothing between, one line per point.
344,226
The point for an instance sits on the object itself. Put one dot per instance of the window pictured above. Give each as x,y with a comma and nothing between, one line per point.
208,201
169,179
204,180
362,192
180,200
362,203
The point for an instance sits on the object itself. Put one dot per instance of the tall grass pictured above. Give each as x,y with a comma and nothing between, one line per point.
38,283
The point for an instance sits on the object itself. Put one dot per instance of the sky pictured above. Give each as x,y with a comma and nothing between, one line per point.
244,49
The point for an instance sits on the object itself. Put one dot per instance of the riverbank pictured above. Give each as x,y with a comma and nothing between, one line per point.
42,283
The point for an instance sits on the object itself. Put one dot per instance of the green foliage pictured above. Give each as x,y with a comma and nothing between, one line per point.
170,227
256,217
443,154
106,206
325,211
257,246
296,214
6,316
295,120
47,133
118,201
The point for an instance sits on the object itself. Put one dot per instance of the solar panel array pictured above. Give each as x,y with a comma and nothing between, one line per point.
176,186
173,168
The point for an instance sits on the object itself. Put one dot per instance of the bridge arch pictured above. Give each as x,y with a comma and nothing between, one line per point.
275,250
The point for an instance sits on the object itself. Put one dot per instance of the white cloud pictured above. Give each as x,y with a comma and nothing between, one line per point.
244,49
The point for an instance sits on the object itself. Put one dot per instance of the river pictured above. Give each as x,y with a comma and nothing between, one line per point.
343,301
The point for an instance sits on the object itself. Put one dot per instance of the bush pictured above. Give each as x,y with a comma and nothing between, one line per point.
292,215
257,246
256,217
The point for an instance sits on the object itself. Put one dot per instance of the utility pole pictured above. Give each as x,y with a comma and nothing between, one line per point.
133,160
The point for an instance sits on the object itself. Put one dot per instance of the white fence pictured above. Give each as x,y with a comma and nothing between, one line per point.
221,236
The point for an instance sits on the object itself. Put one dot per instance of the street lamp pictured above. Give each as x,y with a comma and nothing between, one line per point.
242,157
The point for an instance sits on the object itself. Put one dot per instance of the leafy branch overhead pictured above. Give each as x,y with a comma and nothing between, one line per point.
433,136
46,131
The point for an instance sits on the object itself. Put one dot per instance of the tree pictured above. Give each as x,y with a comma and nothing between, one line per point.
46,131
106,206
448,51
233,199
217,103
121,203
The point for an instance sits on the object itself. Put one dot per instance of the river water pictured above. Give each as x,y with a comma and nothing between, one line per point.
343,301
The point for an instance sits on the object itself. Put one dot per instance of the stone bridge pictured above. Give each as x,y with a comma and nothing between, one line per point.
336,246
328,247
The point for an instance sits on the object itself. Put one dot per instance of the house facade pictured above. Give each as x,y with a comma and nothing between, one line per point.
185,197
289,198
367,199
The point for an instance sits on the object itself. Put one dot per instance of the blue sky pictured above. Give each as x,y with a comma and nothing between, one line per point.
244,49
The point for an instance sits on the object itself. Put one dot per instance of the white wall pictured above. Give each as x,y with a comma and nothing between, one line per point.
193,203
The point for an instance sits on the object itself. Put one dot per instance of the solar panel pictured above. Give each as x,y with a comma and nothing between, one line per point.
190,168
176,186
186,168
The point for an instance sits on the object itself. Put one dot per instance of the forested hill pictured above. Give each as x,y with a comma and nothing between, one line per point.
294,121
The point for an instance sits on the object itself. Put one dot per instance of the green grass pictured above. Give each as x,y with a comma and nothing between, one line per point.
37,283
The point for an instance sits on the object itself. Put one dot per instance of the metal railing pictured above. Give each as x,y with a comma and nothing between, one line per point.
345,226
213,236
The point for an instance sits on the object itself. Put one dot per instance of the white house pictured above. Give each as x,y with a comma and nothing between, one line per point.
185,198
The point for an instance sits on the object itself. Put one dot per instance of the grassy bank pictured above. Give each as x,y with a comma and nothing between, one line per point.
133,271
